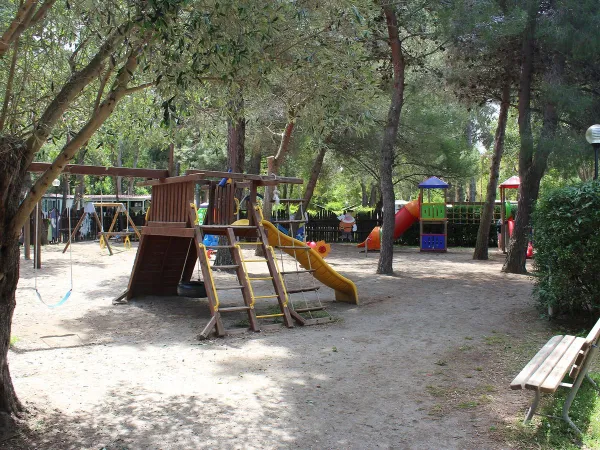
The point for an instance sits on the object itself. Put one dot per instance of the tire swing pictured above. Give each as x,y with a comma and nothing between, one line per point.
68,293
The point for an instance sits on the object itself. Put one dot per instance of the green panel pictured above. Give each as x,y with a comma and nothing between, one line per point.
426,211
439,211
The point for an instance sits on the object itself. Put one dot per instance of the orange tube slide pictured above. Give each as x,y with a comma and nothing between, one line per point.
402,222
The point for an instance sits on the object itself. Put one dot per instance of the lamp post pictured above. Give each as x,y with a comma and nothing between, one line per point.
592,135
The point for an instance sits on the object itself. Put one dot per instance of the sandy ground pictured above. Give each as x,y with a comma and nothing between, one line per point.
418,365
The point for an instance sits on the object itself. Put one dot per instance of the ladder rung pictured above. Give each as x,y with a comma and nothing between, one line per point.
314,308
298,271
260,278
231,266
309,289
234,308
254,260
297,247
228,288
250,243
219,246
266,316
265,296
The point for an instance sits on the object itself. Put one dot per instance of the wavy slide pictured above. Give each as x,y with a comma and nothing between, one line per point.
345,290
402,222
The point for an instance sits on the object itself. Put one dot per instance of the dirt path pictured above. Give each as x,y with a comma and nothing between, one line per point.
417,365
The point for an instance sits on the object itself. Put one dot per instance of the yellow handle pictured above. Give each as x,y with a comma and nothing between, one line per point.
237,206
127,243
147,213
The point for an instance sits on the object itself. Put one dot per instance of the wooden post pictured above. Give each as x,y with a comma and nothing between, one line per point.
74,231
27,238
37,258
172,160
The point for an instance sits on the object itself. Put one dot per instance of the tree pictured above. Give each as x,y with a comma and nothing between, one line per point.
116,40
553,67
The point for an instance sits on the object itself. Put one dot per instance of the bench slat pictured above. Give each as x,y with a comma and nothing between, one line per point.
593,335
536,361
536,380
553,380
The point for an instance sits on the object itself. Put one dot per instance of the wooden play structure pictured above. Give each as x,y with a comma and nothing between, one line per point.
90,209
433,218
172,242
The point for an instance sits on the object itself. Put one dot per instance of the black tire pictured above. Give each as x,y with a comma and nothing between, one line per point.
193,289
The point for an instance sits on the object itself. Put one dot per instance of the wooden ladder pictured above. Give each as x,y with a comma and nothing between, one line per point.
245,281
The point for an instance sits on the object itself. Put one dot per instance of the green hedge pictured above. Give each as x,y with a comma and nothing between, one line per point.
567,242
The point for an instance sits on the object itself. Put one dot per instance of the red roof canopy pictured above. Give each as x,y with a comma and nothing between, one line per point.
512,183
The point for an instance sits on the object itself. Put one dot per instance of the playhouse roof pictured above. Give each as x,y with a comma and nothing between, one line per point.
512,183
434,183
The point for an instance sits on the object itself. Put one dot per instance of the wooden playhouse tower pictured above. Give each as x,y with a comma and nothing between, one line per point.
172,242
433,218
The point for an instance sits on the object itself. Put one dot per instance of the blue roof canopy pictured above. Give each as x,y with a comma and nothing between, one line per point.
434,183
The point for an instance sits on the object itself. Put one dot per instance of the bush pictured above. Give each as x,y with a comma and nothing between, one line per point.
567,242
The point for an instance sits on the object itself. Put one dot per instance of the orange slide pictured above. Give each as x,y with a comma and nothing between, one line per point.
403,220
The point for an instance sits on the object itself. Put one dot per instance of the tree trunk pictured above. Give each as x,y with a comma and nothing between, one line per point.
472,190
255,158
373,195
70,149
236,133
517,252
312,181
9,83
364,194
460,192
487,214
531,173
274,162
136,156
389,139
13,168
236,154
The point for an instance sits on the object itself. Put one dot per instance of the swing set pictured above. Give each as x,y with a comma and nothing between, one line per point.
90,210
120,208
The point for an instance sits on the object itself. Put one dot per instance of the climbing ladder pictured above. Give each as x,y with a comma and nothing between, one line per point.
309,286
232,233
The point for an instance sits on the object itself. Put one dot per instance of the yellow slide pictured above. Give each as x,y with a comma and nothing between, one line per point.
345,290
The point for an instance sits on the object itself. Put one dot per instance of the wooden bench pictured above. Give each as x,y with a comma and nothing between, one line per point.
546,371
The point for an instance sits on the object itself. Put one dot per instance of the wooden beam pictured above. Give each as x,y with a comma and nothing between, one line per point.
77,169
168,231
202,175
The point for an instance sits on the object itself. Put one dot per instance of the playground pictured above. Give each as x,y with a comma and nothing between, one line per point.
426,359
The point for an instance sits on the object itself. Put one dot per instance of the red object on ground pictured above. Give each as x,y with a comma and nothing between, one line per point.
402,222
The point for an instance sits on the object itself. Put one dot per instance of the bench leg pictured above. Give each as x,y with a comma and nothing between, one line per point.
582,375
533,407
587,377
